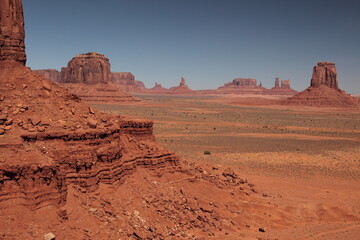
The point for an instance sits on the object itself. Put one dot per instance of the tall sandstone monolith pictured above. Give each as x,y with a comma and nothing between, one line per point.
325,74
89,68
12,33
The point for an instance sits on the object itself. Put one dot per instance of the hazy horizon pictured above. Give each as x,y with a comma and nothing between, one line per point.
208,43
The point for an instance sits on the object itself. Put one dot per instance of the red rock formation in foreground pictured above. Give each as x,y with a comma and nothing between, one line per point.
323,90
12,34
88,68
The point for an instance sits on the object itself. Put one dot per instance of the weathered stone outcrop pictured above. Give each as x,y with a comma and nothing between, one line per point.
12,33
324,74
51,74
89,68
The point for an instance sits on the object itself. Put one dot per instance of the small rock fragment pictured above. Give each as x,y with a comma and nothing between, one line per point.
229,173
49,236
9,122
92,123
73,111
46,86
91,110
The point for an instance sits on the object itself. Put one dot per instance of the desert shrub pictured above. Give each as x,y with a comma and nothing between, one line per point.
207,152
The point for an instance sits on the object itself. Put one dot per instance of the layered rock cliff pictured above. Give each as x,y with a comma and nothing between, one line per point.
12,33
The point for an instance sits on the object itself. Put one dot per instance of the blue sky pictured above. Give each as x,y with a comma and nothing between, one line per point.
209,42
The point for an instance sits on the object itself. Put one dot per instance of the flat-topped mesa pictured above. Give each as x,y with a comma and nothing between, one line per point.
325,74
12,33
90,68
244,82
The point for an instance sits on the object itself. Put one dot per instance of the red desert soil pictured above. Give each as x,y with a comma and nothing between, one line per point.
304,160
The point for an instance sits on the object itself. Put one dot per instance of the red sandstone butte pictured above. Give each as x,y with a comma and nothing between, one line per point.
324,90
12,33
324,74
89,68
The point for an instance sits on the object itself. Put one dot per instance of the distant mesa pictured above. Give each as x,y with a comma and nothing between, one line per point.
158,87
88,68
240,83
250,86
51,74
123,78
12,33
92,68
88,76
324,90
126,81
281,87
283,84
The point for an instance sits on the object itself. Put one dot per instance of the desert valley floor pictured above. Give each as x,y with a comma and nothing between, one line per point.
305,160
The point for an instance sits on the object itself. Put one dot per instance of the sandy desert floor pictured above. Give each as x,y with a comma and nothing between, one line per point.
304,159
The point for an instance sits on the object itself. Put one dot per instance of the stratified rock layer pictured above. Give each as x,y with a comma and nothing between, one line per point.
12,34
324,74
89,68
